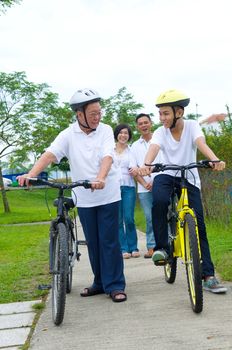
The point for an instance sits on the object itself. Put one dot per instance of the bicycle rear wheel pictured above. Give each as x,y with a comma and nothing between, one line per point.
59,281
193,264
171,267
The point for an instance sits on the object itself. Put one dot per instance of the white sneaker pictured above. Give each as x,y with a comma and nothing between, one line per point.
212,285
159,255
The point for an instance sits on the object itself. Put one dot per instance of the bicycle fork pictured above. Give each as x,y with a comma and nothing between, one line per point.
179,242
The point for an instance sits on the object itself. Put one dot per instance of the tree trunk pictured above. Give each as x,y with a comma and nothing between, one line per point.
4,197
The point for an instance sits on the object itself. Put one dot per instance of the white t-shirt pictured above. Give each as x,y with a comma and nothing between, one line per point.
180,152
85,154
124,161
139,150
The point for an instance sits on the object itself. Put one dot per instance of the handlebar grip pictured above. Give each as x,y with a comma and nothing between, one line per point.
206,163
35,181
87,184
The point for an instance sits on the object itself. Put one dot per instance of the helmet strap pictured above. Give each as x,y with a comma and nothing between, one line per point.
86,121
174,119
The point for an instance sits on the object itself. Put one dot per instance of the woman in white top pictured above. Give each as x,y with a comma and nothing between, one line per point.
124,159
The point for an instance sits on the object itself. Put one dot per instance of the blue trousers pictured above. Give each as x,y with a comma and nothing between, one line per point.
145,199
127,231
162,189
100,226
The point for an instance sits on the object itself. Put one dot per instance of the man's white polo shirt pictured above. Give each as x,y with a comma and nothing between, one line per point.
85,154
139,150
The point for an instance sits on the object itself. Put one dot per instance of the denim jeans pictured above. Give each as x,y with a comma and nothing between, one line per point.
162,188
146,203
127,229
100,226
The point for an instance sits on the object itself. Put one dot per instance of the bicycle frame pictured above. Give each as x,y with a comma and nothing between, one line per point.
183,209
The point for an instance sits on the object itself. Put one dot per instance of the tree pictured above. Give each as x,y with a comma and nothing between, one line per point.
121,108
4,4
220,139
30,118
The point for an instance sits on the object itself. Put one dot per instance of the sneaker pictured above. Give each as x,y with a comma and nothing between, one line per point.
212,285
159,255
149,253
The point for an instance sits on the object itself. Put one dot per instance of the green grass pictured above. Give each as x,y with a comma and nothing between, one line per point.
23,262
220,240
28,205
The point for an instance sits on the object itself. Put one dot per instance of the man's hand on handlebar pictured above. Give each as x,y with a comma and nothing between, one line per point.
23,180
97,184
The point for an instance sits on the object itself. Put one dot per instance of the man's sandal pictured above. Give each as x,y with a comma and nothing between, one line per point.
115,293
90,291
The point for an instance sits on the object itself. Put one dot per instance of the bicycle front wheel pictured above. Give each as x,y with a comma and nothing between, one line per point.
71,258
193,264
59,270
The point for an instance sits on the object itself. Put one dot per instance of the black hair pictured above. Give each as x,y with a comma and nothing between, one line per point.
119,127
140,115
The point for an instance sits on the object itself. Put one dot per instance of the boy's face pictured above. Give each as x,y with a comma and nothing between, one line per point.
144,125
166,115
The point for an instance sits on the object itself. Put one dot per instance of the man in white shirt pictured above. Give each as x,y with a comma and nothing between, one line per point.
139,149
89,146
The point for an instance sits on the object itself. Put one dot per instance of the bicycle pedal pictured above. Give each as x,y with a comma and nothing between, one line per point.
160,263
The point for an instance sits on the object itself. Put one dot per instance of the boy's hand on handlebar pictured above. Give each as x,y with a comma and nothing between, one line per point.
133,171
144,170
218,166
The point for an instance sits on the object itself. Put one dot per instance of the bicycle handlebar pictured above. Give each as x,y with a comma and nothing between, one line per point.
36,180
162,167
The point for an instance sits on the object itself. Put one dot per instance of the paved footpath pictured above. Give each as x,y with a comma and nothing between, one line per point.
155,316
15,323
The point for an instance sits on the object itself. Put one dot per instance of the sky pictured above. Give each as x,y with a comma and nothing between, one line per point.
148,46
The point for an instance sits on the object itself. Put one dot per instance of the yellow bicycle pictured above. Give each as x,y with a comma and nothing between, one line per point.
183,235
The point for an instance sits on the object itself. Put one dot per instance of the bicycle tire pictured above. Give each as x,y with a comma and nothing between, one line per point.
70,262
193,264
59,280
170,268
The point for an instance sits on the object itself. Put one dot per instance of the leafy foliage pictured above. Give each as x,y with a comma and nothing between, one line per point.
121,108
30,117
220,140
4,4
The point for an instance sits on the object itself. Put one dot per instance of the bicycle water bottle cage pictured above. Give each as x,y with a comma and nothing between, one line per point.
68,203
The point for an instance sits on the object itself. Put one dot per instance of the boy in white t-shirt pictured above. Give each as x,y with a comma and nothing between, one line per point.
179,139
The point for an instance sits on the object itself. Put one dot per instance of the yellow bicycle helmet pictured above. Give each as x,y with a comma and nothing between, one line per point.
172,98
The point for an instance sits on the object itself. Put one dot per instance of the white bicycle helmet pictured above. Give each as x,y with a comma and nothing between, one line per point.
83,97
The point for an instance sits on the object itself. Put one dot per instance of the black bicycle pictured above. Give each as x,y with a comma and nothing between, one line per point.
63,244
